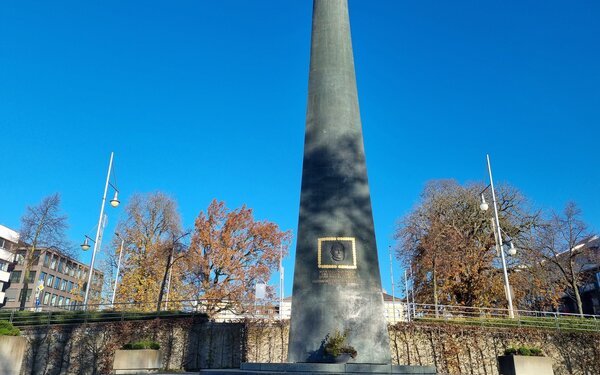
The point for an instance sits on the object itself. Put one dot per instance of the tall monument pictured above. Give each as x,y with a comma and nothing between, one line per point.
337,284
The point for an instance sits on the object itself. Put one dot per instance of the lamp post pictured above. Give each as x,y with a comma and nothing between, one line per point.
112,302
392,279
281,290
407,296
498,237
85,245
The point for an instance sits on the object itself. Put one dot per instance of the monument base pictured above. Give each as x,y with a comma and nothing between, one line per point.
322,369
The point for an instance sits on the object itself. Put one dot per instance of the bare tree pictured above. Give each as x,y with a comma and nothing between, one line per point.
151,223
42,226
562,245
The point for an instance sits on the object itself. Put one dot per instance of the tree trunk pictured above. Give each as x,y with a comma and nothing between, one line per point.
575,287
164,280
577,298
27,262
435,294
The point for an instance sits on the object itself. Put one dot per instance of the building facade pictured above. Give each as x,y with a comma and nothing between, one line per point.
588,265
56,282
394,311
8,243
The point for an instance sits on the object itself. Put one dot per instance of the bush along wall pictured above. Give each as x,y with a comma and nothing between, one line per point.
192,344
457,349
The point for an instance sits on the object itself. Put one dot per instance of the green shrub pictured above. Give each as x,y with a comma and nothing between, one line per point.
523,350
536,352
142,344
510,351
7,329
335,345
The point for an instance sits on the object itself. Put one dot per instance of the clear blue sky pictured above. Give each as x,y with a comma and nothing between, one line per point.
207,99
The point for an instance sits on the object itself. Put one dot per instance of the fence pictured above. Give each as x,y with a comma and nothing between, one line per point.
494,317
481,316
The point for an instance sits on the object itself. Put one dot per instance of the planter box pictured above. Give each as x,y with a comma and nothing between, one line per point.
12,351
524,365
137,361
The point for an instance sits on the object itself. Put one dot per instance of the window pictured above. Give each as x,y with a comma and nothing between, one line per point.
15,276
69,286
53,300
67,267
61,300
49,280
56,282
28,295
53,263
72,270
11,295
31,278
46,298
46,260
79,273
36,258
67,301
42,277
63,285
60,265
3,265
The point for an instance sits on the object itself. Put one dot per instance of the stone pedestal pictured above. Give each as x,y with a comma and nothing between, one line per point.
322,369
137,361
12,352
524,365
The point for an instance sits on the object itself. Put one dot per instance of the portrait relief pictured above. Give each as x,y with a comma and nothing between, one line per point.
337,252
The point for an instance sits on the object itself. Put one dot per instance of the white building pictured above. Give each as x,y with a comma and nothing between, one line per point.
8,244
394,310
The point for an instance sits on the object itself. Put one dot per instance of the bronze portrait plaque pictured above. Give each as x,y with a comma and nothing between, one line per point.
337,252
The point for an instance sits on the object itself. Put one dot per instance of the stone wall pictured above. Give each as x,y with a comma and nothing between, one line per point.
192,344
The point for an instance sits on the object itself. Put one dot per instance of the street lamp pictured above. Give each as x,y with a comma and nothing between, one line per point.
112,302
85,245
498,237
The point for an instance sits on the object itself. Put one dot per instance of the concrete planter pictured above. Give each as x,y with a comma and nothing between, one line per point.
524,365
137,361
12,352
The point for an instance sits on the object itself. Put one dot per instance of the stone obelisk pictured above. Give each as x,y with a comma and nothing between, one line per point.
337,284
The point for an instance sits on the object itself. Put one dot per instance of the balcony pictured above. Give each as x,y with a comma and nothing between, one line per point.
4,276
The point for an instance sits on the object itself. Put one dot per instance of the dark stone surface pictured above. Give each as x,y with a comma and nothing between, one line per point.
337,284
330,368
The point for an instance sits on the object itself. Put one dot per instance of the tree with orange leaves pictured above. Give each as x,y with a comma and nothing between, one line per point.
449,244
229,253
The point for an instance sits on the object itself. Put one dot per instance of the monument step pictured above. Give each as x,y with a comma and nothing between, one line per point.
249,368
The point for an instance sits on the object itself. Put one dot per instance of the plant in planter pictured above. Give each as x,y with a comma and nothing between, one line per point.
337,348
524,351
138,356
12,347
524,360
142,344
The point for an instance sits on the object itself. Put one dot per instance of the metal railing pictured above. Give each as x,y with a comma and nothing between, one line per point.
99,313
495,317
472,316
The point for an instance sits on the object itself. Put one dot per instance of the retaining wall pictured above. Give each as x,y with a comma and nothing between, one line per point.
193,344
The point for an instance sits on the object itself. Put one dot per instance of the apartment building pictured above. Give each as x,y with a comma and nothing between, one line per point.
8,243
55,282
